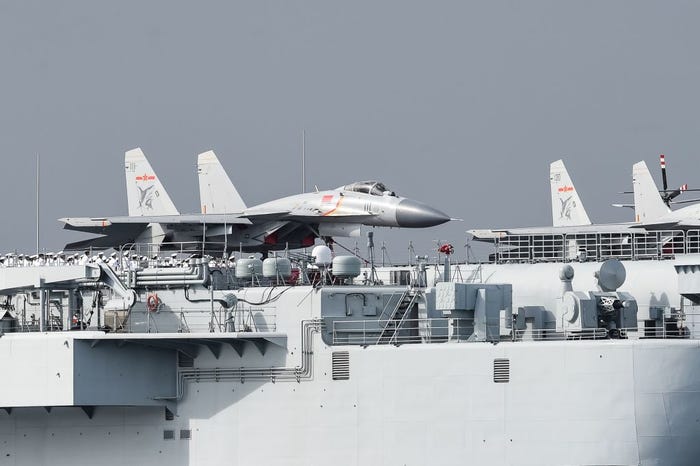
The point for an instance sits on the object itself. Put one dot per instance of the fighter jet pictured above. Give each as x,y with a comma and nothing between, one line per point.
227,224
569,216
572,225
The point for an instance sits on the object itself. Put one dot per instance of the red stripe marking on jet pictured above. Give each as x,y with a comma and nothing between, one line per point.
337,206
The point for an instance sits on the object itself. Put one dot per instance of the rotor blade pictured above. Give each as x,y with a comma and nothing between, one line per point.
673,194
665,192
685,201
662,162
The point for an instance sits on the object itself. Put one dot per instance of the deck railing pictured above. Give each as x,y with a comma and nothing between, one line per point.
441,330
583,247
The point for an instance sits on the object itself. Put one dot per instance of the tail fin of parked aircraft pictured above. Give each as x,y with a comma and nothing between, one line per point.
217,193
567,208
144,191
648,205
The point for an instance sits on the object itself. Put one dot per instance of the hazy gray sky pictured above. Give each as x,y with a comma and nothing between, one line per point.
462,105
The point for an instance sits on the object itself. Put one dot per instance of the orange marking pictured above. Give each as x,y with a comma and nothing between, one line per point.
565,189
337,206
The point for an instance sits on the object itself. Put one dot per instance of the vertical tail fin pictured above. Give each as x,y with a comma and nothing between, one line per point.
144,191
567,208
648,205
217,193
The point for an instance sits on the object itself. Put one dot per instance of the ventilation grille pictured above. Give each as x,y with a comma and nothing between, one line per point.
168,434
341,365
185,434
501,370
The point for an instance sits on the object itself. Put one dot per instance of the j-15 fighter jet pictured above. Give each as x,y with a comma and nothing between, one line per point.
227,223
569,217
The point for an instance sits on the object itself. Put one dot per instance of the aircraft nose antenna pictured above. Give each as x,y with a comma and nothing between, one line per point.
413,214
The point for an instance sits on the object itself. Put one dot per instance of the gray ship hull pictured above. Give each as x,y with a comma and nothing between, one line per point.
568,402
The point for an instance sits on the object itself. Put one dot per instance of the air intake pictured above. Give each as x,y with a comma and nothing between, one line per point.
501,370
341,365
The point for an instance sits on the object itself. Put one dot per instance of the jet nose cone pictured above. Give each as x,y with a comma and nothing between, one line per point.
413,214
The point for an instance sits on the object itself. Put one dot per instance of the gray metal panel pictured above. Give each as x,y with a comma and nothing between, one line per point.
131,375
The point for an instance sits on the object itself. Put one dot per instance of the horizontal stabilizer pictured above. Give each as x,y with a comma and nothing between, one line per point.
170,220
102,242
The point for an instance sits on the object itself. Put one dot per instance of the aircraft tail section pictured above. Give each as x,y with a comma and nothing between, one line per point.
567,208
144,191
648,205
217,193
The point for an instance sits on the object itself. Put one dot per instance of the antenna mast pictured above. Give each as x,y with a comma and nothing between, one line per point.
37,203
303,161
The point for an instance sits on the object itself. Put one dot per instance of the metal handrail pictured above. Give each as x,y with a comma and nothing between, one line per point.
437,330
368,331
658,245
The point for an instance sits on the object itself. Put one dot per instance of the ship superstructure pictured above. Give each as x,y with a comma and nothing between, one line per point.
304,360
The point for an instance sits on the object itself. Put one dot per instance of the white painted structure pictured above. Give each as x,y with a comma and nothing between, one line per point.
266,382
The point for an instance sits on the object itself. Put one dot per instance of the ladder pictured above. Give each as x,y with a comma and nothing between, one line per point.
395,320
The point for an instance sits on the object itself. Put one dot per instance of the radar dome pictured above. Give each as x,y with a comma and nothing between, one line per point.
323,256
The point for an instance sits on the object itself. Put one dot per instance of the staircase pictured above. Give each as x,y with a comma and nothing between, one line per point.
396,317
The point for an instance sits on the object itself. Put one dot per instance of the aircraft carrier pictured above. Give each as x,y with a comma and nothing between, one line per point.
567,347
297,359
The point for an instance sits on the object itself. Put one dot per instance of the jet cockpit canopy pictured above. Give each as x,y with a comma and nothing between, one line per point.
375,188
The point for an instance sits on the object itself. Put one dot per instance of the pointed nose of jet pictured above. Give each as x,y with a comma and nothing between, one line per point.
414,214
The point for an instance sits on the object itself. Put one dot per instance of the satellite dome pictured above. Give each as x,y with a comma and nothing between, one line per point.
323,256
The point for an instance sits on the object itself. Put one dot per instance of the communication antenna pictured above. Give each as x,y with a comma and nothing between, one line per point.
303,161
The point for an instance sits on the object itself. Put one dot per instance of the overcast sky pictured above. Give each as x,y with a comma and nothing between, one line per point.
461,105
